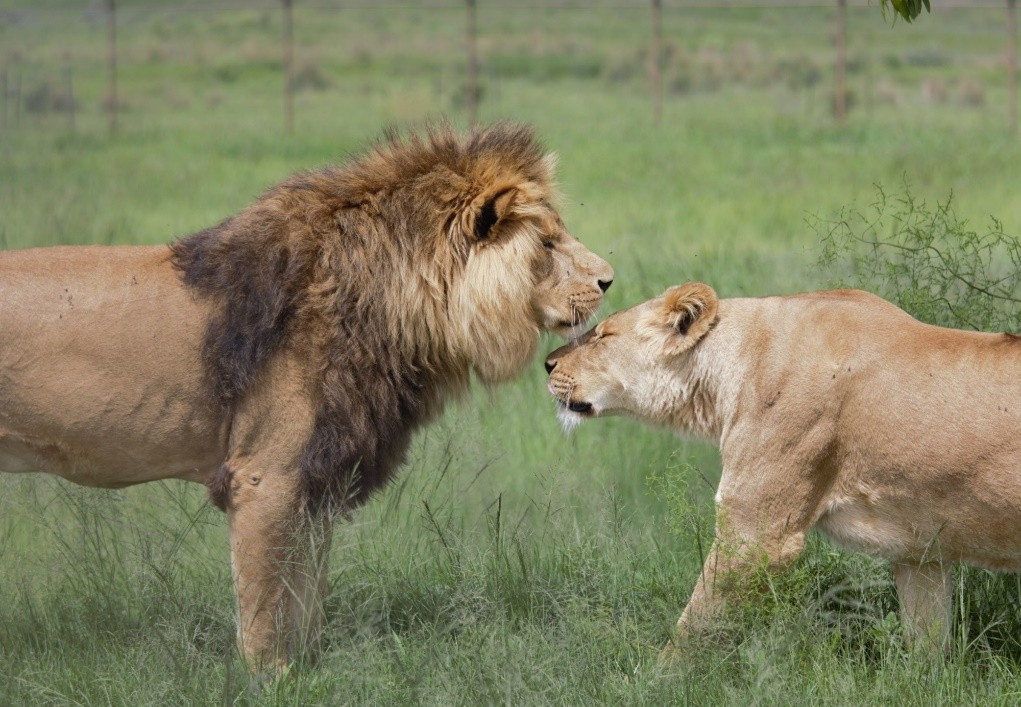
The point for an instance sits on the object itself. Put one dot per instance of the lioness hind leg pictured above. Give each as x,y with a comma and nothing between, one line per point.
924,591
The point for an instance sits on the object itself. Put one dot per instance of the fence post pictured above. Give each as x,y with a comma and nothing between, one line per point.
1012,64
289,66
472,89
111,34
3,96
840,100
69,89
656,61
17,94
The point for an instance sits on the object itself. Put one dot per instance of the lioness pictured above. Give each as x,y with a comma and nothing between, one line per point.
831,409
285,356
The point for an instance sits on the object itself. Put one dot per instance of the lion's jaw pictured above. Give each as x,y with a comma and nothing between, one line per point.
512,291
570,287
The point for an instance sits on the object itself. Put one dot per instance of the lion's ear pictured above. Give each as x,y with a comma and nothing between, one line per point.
494,209
690,309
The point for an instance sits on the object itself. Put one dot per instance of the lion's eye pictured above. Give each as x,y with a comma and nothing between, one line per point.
548,245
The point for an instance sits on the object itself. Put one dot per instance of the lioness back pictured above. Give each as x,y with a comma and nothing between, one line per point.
926,430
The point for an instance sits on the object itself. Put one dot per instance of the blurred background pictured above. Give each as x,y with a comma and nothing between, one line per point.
698,140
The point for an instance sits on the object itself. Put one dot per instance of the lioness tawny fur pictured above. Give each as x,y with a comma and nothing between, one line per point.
834,410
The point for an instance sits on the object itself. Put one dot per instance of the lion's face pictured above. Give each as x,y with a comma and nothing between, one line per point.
524,274
629,363
571,280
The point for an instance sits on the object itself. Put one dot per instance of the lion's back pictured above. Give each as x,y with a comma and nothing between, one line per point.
99,357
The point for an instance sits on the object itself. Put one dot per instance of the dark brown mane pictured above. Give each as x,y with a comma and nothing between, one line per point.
325,254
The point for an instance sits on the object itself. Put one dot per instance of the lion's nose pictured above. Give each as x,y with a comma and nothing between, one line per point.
604,285
550,365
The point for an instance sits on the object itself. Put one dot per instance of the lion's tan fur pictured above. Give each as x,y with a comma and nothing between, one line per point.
286,356
834,410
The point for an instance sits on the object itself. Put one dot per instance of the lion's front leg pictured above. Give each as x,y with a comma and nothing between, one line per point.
279,559
278,550
261,520
310,577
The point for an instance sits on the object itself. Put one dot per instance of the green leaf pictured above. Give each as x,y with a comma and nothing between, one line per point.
908,9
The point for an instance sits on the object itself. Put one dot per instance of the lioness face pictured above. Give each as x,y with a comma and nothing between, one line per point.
630,363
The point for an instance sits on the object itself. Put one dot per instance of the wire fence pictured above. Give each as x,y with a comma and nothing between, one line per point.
60,63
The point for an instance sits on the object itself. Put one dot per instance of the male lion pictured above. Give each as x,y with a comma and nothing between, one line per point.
831,409
285,357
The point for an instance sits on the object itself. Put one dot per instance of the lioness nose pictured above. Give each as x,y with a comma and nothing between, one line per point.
550,365
604,285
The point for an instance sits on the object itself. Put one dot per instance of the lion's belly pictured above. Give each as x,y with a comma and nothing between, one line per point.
100,373
108,441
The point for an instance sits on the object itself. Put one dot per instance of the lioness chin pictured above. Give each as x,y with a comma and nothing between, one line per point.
834,410
285,357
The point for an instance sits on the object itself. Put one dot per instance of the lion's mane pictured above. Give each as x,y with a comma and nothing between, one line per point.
355,268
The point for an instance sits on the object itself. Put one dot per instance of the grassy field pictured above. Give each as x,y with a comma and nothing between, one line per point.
509,563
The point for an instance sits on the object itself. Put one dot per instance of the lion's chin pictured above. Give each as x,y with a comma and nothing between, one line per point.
569,332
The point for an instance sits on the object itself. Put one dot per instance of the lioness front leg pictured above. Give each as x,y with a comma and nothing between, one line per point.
729,566
752,532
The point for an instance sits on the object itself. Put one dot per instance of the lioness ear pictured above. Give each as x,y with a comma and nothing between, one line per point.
494,209
690,309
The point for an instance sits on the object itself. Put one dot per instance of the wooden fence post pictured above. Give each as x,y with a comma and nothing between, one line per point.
656,62
69,90
289,66
17,95
3,97
840,99
1012,64
472,88
111,34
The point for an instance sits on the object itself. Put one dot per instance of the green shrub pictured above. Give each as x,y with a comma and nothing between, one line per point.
926,260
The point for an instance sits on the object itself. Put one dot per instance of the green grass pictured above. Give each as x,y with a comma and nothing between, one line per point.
508,563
